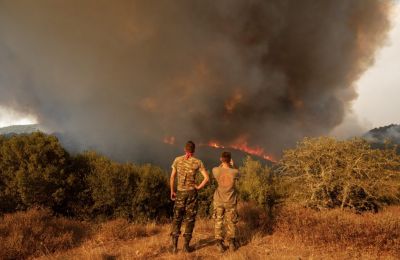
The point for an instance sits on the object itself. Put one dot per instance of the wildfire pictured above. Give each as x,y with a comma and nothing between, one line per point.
215,144
253,150
241,144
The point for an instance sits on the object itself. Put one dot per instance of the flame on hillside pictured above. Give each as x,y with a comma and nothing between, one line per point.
241,144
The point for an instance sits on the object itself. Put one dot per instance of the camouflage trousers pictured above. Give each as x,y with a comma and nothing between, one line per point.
224,212
185,208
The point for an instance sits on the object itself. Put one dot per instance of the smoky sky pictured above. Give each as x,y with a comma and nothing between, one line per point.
119,76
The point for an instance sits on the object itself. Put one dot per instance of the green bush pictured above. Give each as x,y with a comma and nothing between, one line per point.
125,190
111,185
257,183
35,170
152,195
32,172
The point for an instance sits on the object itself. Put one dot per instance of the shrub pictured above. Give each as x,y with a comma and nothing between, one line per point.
257,183
111,186
326,173
130,191
32,172
79,201
151,200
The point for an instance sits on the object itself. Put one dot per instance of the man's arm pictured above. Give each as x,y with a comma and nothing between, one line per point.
172,184
206,178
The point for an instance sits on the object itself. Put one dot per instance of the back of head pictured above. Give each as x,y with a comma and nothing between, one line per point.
226,157
190,147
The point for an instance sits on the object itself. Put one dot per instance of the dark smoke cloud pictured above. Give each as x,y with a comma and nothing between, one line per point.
121,75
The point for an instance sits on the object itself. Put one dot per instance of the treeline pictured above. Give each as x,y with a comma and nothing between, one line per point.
35,170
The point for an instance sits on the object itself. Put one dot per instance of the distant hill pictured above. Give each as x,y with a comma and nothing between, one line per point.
381,137
19,129
382,134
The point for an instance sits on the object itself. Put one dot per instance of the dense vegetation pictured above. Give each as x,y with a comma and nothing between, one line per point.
35,170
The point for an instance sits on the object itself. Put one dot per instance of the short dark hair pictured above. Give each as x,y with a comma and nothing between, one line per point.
190,147
226,157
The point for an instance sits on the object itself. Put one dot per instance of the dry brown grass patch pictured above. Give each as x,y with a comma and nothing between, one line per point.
121,229
37,232
378,233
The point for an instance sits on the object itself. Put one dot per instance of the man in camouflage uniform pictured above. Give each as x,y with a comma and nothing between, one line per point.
225,201
185,168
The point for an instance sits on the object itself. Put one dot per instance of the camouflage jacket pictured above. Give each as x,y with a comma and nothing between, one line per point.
186,171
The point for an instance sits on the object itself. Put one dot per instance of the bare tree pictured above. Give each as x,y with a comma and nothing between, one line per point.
326,173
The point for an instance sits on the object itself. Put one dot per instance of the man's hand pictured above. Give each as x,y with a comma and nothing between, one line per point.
205,180
172,184
232,163
173,195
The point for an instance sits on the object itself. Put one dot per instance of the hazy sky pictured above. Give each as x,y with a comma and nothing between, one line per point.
379,88
10,117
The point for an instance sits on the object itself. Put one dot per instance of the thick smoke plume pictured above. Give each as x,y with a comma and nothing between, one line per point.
123,75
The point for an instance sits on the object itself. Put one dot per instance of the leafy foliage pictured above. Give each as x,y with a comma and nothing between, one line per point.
36,171
32,171
257,183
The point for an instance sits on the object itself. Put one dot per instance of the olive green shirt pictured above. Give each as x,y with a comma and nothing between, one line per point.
186,171
226,178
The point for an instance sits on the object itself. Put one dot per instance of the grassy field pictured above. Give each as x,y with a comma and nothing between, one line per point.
286,233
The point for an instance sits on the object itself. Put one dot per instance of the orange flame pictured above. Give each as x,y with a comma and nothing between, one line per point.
215,144
241,144
253,150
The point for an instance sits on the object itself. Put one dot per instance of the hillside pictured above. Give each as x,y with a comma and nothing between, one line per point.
385,133
19,129
381,137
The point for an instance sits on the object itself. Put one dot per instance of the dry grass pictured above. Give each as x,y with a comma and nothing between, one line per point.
289,233
37,232
378,234
121,229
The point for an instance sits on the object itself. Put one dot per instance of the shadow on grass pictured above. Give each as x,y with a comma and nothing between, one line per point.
202,243
255,220
108,257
